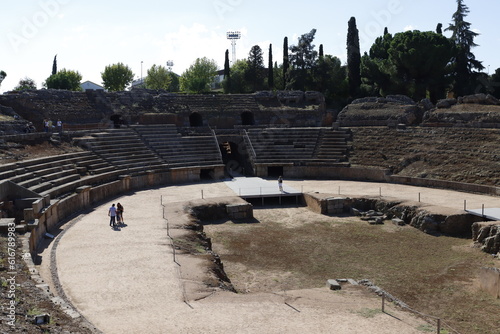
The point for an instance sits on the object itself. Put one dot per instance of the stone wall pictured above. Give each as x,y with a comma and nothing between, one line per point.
408,213
156,107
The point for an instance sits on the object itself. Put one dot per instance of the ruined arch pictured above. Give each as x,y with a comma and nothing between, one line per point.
195,119
247,118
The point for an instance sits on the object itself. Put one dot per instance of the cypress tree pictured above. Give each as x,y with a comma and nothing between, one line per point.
465,61
321,51
286,63
270,73
227,72
353,58
54,65
439,29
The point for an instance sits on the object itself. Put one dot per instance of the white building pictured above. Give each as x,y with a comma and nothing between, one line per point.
89,85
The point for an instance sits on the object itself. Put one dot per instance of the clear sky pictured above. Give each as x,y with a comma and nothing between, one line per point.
89,35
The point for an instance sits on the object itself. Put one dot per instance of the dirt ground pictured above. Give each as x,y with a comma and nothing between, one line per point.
128,280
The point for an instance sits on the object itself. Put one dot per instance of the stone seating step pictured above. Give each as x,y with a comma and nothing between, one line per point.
125,154
187,158
98,164
190,150
91,162
52,159
7,174
59,174
50,170
56,182
30,182
102,170
71,186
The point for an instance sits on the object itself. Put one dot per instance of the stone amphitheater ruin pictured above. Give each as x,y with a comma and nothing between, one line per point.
139,139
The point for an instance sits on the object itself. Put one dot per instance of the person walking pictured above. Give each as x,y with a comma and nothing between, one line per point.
112,215
119,213
280,183
59,126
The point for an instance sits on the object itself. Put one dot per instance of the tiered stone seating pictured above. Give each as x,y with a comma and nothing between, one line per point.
332,145
53,175
310,146
209,103
124,150
178,151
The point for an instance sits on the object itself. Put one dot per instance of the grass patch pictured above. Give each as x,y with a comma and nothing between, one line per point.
368,312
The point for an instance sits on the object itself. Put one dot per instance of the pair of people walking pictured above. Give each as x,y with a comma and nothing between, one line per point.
115,214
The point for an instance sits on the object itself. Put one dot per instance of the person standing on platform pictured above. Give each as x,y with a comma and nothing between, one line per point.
280,183
112,215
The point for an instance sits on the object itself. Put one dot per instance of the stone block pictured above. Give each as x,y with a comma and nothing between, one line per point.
397,221
332,284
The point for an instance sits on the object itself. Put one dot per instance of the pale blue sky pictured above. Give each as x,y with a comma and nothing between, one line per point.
88,35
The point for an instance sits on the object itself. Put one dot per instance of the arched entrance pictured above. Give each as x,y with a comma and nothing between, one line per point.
231,157
117,120
195,119
247,118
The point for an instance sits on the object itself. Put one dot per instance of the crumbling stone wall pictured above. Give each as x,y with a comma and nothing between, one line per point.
383,111
487,236
153,107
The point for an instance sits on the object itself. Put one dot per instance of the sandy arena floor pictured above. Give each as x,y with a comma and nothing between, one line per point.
125,280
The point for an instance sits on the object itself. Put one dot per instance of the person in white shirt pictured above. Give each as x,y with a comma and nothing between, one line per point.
112,215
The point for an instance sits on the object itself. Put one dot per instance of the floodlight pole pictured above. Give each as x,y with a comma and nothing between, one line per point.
233,36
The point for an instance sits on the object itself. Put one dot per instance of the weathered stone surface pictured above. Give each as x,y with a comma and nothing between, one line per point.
487,234
333,284
399,222
479,99
446,103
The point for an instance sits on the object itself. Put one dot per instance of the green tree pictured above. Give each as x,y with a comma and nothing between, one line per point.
331,80
421,61
255,72
270,69
302,60
278,76
54,65
2,76
174,82
158,78
239,84
286,62
495,83
24,84
321,52
353,58
439,29
464,61
117,77
376,70
64,79
198,77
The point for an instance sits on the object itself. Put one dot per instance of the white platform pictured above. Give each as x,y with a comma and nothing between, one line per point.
489,213
256,187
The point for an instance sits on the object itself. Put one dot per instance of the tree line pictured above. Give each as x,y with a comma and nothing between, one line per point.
419,64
